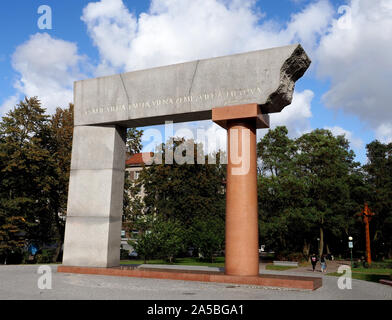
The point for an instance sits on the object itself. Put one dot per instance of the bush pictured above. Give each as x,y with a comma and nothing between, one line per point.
170,236
15,257
290,256
124,254
46,256
145,245
208,235
164,240
296,256
28,258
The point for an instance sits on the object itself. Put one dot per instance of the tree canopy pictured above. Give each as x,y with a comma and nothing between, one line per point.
310,191
34,171
190,195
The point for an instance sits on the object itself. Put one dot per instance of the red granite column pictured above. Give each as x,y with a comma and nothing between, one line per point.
242,239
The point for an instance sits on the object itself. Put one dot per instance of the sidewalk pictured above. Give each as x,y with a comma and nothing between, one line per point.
20,282
332,266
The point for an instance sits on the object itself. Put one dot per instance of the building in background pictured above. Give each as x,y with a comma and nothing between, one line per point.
133,165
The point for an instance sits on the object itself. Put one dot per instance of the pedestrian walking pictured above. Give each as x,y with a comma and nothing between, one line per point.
313,260
323,262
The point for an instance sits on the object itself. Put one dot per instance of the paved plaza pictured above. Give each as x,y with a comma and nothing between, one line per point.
21,282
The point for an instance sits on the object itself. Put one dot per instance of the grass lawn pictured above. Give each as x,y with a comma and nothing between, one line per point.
373,270
368,274
218,262
278,268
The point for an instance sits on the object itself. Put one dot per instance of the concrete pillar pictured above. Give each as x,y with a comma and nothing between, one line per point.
95,197
242,239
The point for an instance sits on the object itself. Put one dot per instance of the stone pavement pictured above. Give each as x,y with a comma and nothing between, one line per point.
20,282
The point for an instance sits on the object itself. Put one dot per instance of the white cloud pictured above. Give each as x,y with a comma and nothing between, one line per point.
212,136
46,68
174,31
356,56
352,50
296,117
384,133
356,143
308,25
112,28
9,104
171,31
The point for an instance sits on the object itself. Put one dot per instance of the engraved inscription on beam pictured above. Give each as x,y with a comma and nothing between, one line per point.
228,97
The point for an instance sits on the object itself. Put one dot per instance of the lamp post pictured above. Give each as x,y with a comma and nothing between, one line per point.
318,245
350,245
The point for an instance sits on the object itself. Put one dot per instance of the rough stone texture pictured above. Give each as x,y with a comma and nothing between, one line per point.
92,233
293,69
189,91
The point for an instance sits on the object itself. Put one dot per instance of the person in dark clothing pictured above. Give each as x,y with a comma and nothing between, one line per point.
313,260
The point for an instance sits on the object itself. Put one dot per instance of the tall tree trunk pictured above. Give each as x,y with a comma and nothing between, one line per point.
60,229
306,250
59,244
321,241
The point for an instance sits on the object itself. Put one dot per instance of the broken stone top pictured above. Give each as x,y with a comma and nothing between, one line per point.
189,91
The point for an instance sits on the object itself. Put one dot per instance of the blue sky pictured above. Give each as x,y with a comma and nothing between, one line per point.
345,90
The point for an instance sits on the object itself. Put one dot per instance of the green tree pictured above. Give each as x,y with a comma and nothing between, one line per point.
326,163
131,199
276,152
134,140
170,235
160,238
146,242
184,192
309,188
208,236
178,193
281,191
26,169
379,182
60,146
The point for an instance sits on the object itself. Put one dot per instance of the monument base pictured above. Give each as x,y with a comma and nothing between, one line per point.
265,280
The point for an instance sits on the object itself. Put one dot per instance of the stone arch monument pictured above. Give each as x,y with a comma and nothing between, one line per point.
237,92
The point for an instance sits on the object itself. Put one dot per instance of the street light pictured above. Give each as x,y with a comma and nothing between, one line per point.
350,245
318,243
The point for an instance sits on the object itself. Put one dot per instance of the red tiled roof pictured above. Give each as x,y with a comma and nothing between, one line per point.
137,158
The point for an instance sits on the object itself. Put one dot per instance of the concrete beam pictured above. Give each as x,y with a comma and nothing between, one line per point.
189,91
